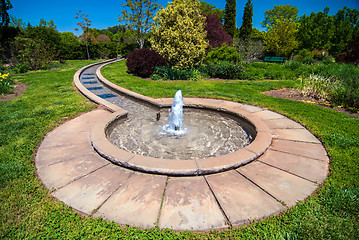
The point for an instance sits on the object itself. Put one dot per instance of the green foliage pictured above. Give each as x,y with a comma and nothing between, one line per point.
257,35
209,9
250,49
138,15
33,53
179,34
303,55
280,39
286,13
47,34
5,6
6,83
230,17
260,71
247,23
333,33
71,47
171,73
223,70
223,53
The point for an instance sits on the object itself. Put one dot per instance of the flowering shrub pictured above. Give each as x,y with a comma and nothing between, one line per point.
142,62
6,83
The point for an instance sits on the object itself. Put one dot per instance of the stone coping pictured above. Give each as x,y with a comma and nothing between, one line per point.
176,167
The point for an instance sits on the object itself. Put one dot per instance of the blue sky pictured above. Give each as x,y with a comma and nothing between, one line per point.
105,13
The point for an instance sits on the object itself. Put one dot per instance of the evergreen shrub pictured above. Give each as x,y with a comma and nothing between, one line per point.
223,69
223,53
142,62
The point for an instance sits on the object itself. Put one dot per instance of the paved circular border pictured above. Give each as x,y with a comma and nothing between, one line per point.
291,169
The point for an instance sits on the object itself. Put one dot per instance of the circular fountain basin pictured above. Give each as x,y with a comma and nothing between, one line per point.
204,134
214,141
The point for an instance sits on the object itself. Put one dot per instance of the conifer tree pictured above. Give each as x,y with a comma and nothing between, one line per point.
246,28
230,17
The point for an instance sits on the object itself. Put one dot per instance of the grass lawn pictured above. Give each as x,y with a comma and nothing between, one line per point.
27,209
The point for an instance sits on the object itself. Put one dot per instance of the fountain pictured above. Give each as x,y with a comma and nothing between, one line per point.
203,133
175,117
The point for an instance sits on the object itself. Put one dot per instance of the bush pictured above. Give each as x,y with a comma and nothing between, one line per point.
143,62
223,69
172,73
304,54
250,49
223,53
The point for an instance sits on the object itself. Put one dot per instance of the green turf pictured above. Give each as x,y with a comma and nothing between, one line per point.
27,209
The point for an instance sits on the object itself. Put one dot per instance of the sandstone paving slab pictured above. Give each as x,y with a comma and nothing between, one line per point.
47,155
308,168
266,115
64,172
241,200
302,135
75,126
283,123
88,193
310,150
137,202
58,138
282,185
190,205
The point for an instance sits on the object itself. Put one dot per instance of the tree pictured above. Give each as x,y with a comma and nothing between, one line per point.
283,12
333,33
230,17
46,33
5,5
209,9
178,34
280,39
138,17
84,23
215,33
247,24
